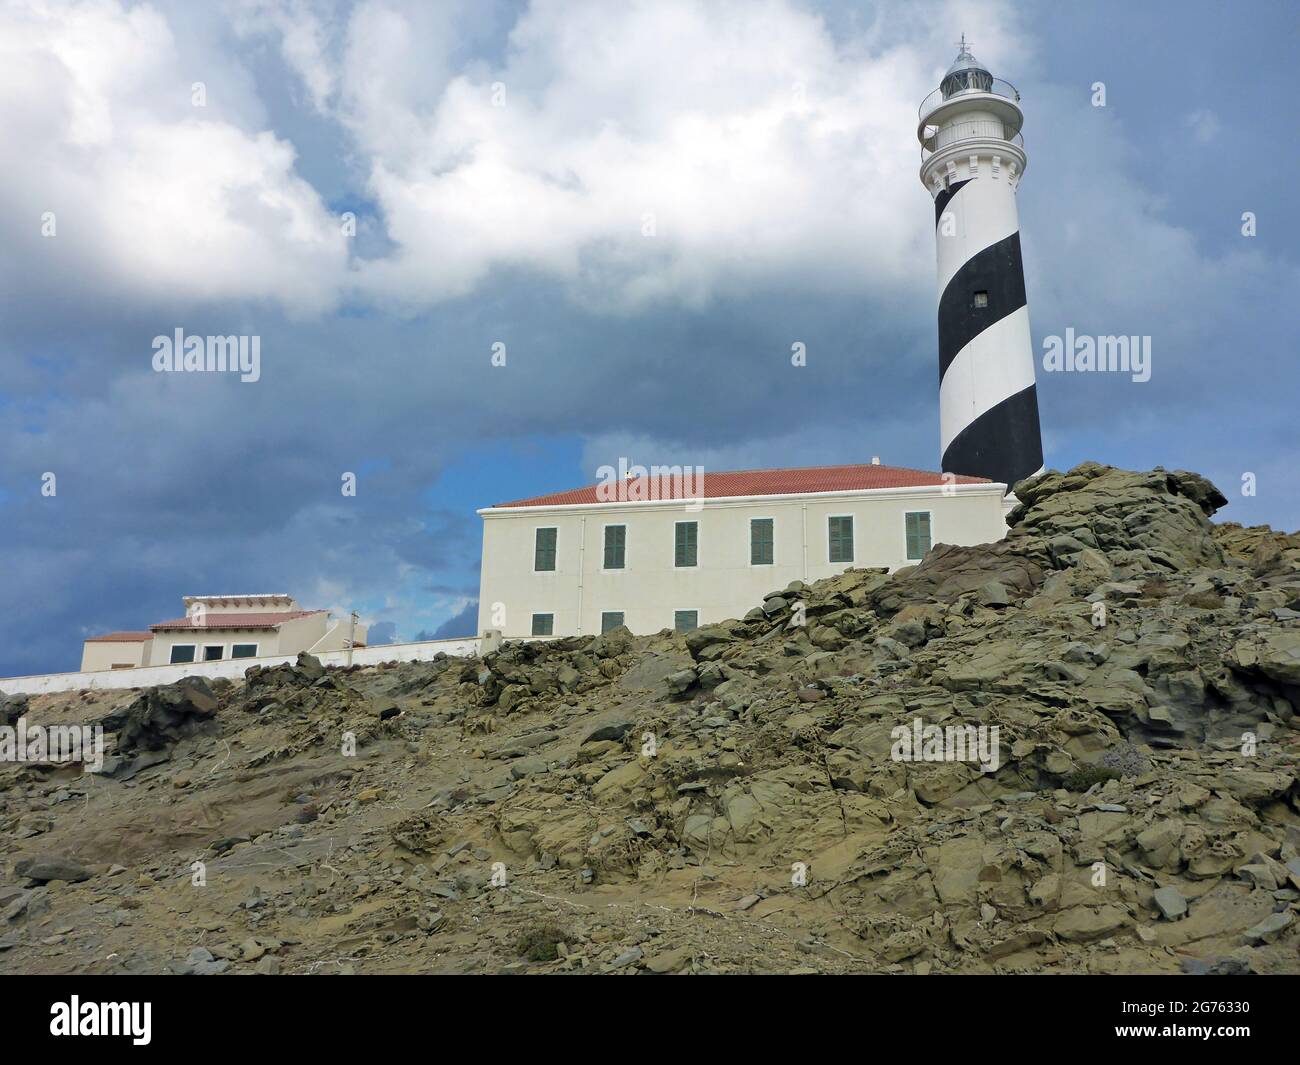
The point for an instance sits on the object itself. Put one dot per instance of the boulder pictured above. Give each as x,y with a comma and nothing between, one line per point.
52,867
993,593
158,717
1084,924
708,641
1274,654
1269,928
12,707
681,682
1170,902
309,666
614,727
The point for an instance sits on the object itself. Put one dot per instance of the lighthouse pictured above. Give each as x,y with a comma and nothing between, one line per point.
972,160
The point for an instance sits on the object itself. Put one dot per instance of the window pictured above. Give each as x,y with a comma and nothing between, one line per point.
544,551
243,650
760,542
182,652
543,624
841,539
615,546
611,619
685,620
918,533
686,551
981,299
214,652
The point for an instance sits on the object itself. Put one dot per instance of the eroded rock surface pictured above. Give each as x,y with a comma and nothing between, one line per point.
737,799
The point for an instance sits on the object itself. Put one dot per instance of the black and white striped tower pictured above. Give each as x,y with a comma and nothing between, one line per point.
972,159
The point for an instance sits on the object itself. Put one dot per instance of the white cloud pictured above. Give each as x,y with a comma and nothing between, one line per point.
152,196
1204,125
757,148
1125,263
304,30
766,153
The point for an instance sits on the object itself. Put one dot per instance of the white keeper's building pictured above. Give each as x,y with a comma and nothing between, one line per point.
679,556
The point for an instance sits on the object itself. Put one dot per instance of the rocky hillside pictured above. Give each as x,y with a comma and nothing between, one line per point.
1074,750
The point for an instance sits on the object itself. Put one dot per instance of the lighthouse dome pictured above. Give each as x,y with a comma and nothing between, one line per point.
967,74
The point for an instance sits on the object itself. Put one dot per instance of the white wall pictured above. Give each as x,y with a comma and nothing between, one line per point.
724,584
300,633
233,668
106,654
336,637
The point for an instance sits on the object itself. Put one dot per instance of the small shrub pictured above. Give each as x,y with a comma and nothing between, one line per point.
1155,588
1083,779
541,943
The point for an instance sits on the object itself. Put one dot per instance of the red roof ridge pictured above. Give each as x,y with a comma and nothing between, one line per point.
120,637
236,620
821,466
848,477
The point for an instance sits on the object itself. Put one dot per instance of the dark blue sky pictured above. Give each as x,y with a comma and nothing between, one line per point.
647,204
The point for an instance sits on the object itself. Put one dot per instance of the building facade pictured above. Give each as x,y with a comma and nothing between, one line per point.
218,627
575,562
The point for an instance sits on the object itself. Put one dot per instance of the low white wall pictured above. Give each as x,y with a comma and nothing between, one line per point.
148,676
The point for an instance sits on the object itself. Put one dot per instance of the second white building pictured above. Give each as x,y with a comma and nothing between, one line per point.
661,557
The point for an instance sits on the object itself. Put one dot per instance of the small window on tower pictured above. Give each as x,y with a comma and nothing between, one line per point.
981,299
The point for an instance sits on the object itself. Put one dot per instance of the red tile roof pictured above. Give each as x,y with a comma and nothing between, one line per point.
214,620
121,637
794,481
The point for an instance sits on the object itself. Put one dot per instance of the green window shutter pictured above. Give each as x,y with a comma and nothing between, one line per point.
611,619
760,542
615,546
686,550
544,551
686,620
543,624
841,539
918,534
